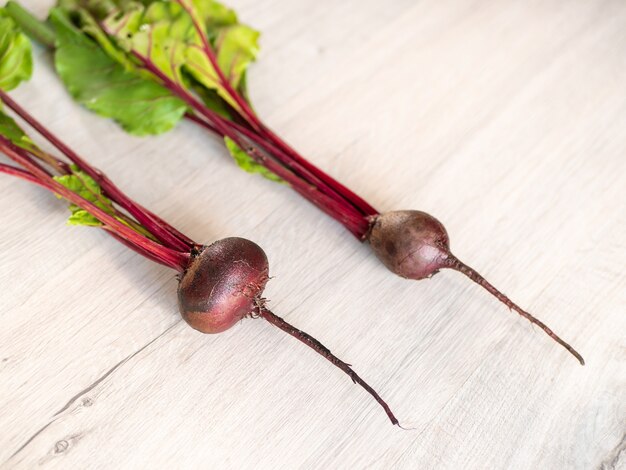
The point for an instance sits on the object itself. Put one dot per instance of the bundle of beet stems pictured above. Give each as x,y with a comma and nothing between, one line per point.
219,284
192,55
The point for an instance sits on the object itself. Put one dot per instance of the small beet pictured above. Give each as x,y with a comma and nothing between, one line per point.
415,245
412,244
222,284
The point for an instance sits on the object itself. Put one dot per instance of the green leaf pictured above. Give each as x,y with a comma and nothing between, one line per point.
13,132
82,217
104,86
163,35
246,163
212,14
84,186
90,26
16,62
238,47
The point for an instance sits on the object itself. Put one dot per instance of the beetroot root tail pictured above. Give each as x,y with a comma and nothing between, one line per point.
458,265
324,351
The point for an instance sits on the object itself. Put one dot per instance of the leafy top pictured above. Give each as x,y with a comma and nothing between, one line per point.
16,63
169,36
128,60
96,76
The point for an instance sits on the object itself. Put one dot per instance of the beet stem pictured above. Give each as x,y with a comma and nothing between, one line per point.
23,174
299,178
165,233
458,265
324,351
312,174
175,259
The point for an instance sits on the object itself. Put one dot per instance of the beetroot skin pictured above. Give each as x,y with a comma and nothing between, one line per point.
223,284
412,244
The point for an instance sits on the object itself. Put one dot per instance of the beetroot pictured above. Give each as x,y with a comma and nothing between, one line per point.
411,244
219,284
222,284
415,245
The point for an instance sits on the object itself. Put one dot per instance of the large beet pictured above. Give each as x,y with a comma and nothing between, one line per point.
222,284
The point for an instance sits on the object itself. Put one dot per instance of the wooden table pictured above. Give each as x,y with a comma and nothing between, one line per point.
506,120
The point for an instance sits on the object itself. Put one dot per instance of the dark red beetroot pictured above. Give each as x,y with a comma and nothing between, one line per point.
222,284
415,245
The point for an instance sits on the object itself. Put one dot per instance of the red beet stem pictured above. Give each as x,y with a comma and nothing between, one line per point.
456,264
23,174
324,351
293,173
325,182
313,174
175,259
354,223
141,250
162,231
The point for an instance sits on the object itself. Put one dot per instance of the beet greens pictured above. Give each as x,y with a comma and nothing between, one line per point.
219,284
147,65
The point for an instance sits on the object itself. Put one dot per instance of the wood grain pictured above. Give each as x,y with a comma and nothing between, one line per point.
506,120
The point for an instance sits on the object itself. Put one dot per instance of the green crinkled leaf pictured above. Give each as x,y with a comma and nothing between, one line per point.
238,46
82,217
90,26
163,34
13,132
246,163
103,85
212,14
16,63
83,185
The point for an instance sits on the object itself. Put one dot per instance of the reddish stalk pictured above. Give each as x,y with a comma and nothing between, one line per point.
323,181
25,175
22,174
347,215
161,230
175,259
355,224
335,205
140,250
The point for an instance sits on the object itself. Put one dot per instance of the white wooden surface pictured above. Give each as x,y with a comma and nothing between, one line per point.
507,120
